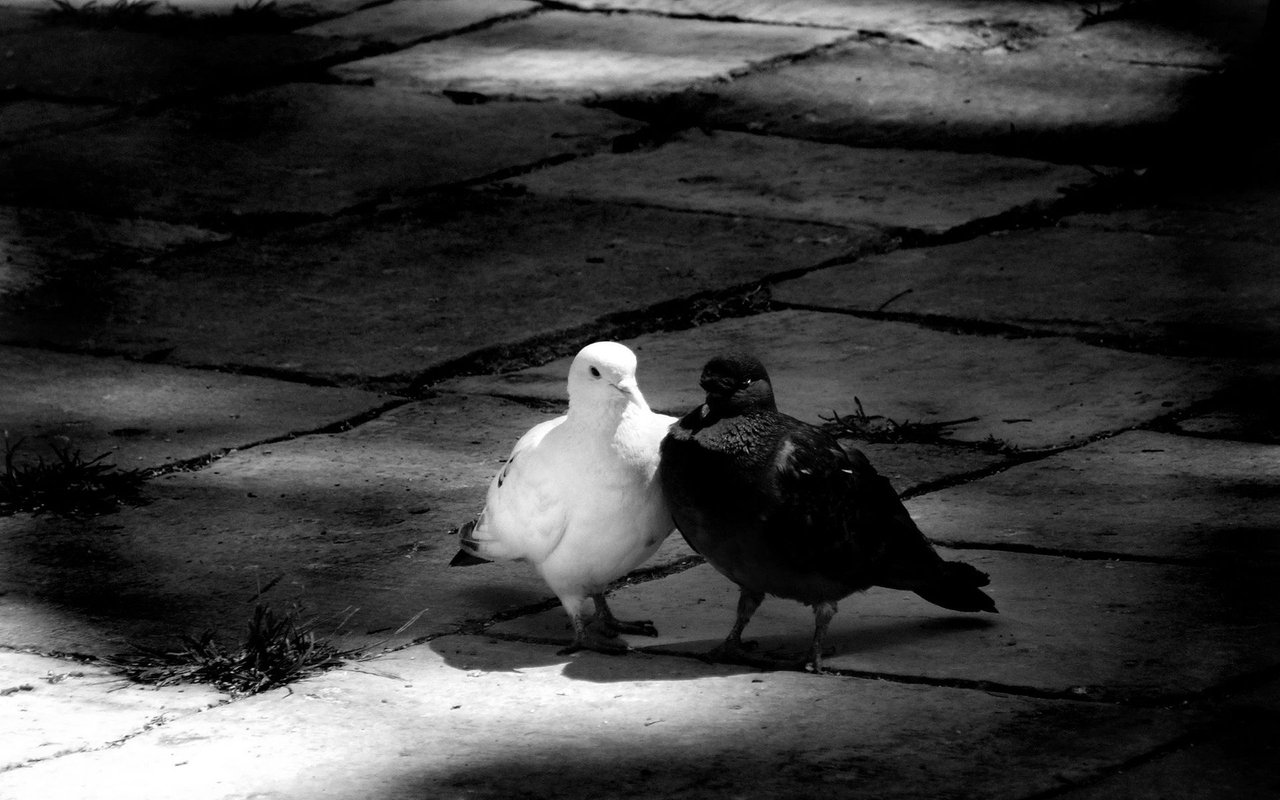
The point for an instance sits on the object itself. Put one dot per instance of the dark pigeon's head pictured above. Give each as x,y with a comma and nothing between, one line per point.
736,383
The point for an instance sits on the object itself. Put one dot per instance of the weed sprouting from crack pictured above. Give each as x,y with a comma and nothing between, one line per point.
68,485
878,429
278,649
91,13
258,16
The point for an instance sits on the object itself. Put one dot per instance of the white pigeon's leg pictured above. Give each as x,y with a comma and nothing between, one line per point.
612,626
583,637
732,649
822,614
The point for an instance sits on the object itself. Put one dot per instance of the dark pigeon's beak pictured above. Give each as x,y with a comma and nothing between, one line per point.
716,385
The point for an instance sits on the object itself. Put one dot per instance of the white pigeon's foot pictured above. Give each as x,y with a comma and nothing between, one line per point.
590,640
612,626
615,627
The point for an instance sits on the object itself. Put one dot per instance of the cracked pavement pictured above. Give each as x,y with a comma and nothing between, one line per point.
313,272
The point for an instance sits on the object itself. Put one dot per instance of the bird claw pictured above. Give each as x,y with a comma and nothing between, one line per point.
600,644
639,627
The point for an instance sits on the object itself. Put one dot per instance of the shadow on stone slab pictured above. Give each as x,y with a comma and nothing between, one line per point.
1245,410
357,523
397,295
870,638
291,153
808,737
470,653
1236,756
121,66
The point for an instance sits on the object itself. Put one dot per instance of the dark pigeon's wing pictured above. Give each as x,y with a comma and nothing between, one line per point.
841,518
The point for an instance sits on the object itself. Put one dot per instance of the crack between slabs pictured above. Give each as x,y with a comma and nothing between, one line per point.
156,722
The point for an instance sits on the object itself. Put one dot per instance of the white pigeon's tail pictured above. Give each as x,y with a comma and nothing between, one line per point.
479,543
469,548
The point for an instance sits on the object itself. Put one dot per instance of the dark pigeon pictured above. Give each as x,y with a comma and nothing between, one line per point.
780,508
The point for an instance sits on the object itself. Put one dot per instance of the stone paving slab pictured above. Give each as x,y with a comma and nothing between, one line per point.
1237,757
616,727
52,707
122,66
296,149
1138,494
288,8
30,119
908,466
1171,292
1253,219
572,56
1203,36
35,243
358,522
1245,411
793,179
407,21
942,24
144,415
405,293
1047,105
1080,628
1028,393
1201,211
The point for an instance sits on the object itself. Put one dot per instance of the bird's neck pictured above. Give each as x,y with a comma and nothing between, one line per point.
599,415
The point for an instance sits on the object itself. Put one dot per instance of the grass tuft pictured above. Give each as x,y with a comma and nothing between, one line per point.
68,485
91,13
876,428
278,649
258,16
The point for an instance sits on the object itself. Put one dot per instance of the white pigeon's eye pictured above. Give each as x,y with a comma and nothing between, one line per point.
595,373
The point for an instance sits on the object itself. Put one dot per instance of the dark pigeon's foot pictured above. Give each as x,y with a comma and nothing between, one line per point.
744,653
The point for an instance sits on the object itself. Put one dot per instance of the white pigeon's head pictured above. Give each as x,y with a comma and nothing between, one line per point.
603,375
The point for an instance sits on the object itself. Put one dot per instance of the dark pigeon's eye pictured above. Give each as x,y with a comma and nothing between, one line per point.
595,373
745,382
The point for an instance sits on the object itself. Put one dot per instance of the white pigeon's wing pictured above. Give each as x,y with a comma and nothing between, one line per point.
525,511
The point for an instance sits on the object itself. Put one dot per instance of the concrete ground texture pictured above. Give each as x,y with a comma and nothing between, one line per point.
312,268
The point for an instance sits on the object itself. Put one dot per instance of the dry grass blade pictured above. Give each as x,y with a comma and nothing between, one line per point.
876,428
67,485
259,16
278,649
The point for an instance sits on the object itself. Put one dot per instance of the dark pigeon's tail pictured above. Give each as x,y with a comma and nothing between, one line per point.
466,556
957,589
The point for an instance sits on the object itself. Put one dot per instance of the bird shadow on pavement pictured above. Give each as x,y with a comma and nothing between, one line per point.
868,642
483,654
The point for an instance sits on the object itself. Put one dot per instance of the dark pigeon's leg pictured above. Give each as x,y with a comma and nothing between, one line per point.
612,626
585,638
822,614
732,649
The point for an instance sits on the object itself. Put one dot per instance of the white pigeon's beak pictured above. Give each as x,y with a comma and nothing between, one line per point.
627,386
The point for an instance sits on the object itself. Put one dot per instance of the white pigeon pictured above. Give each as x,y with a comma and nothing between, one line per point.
578,496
